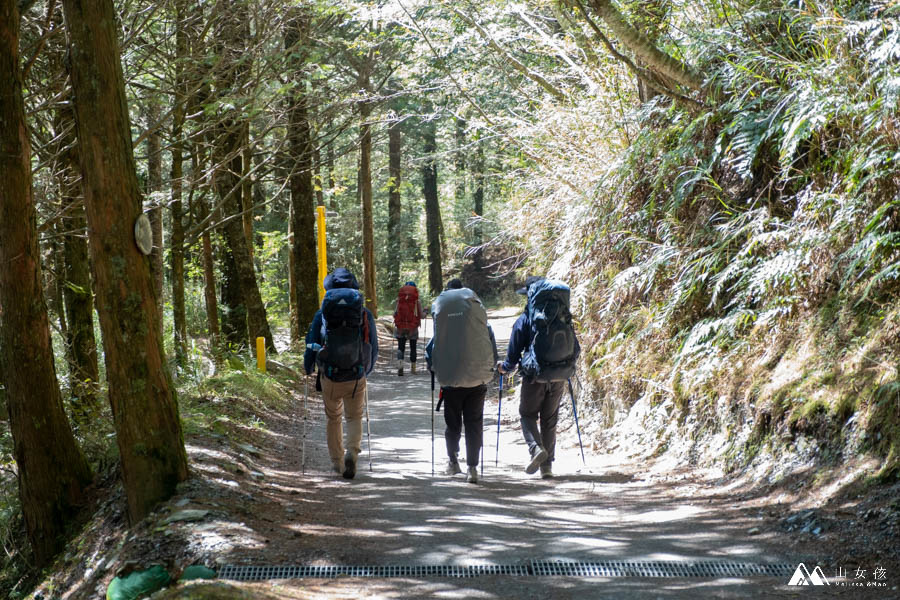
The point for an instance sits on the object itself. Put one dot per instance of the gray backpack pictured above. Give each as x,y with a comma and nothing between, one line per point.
463,354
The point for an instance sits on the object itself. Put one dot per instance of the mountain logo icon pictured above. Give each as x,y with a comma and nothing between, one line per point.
802,576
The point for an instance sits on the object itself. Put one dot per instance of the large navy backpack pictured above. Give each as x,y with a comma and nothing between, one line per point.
554,350
347,346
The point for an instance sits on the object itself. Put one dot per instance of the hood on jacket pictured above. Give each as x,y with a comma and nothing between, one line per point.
340,278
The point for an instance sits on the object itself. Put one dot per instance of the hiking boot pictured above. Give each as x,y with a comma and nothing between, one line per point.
412,368
400,371
349,465
546,471
453,469
472,475
538,456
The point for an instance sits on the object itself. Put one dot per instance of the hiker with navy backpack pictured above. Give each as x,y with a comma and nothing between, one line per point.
343,343
408,316
544,346
461,354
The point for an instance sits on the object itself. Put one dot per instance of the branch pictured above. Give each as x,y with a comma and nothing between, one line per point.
537,78
648,77
644,49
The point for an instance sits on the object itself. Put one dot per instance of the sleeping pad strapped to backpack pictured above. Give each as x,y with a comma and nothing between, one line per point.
405,316
347,346
554,349
463,355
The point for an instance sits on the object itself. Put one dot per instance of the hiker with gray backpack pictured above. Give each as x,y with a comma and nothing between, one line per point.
343,344
461,354
544,346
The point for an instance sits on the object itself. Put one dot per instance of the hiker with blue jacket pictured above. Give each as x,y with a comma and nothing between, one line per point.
343,343
461,354
544,346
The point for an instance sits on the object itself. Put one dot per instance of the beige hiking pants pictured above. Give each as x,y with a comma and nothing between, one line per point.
343,398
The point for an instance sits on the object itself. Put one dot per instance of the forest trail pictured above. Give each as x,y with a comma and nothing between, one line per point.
399,514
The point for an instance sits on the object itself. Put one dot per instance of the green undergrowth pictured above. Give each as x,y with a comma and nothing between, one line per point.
234,403
742,259
235,399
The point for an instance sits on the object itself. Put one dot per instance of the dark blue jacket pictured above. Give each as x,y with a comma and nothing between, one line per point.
315,338
519,340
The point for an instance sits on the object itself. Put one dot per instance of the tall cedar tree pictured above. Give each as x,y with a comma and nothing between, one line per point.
459,170
395,149
303,216
145,412
232,38
176,254
81,345
51,469
432,207
155,186
478,194
365,186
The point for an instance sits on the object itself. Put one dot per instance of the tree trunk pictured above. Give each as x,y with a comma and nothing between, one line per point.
148,430
365,181
318,183
432,208
292,284
329,164
243,275
395,206
303,214
644,49
154,187
234,313
247,188
459,195
81,346
75,274
176,251
56,281
209,289
232,41
52,472
478,196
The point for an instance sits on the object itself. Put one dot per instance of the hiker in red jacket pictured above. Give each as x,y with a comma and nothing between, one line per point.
407,317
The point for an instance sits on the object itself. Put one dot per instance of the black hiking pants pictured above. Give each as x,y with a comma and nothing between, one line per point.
464,406
540,401
401,348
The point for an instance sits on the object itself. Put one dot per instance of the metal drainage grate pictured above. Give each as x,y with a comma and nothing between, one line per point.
658,569
539,568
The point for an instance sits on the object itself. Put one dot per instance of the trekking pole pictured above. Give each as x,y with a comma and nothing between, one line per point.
499,404
482,444
432,423
368,429
575,412
305,398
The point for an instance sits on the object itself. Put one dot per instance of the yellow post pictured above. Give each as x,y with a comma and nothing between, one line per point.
261,354
323,260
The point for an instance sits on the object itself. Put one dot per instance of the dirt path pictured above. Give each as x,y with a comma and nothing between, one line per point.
253,505
399,514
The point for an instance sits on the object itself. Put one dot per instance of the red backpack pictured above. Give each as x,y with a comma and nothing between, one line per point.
406,317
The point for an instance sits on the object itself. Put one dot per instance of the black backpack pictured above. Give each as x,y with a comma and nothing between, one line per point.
554,349
346,353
